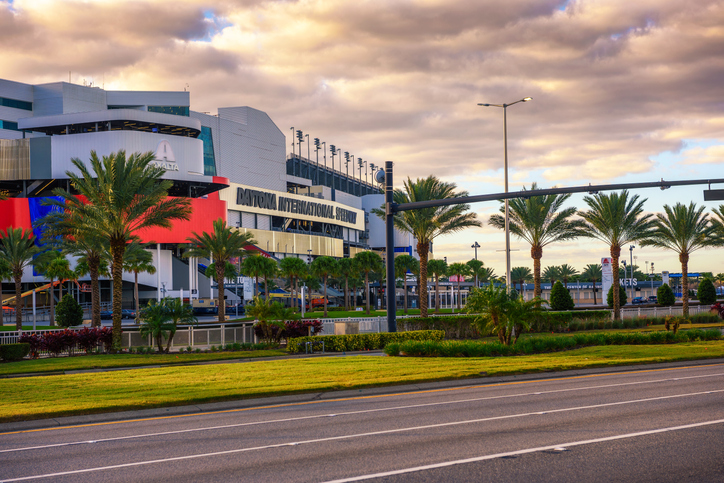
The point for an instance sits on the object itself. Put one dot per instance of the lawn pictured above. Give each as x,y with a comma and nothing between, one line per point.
169,386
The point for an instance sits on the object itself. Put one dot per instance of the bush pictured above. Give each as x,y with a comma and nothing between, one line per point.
358,342
14,352
34,341
300,328
68,313
665,296
706,292
622,298
454,326
561,298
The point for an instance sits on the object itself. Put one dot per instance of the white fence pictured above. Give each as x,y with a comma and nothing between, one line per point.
634,312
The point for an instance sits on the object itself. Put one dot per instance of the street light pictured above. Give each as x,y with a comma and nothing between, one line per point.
630,249
507,213
293,152
476,245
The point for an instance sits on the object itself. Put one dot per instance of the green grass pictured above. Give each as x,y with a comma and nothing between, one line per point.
335,314
78,394
11,328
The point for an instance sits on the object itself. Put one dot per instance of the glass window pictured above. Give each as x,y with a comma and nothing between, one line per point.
13,126
175,110
5,102
209,159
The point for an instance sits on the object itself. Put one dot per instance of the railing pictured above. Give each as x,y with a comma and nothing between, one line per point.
633,312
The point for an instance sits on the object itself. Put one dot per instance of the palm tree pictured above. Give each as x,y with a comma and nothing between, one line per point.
475,267
253,266
616,219
269,269
460,270
95,268
137,260
325,267
592,272
487,274
428,223
18,247
540,221
116,198
177,313
403,264
367,262
347,270
437,267
552,273
520,275
55,266
294,269
682,229
221,245
566,271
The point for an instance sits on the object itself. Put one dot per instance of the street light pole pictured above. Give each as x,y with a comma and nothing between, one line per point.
630,249
475,246
507,210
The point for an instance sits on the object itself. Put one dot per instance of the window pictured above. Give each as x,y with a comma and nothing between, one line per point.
175,110
5,102
13,126
209,159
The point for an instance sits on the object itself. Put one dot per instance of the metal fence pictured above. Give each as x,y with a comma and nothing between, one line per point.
638,312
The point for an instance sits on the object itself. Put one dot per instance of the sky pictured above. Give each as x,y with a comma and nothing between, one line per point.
621,91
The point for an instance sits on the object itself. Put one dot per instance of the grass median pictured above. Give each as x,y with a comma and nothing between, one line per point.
77,394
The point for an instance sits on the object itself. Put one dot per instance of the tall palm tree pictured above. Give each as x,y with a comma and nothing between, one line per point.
460,270
269,269
18,248
487,274
438,268
294,269
552,273
325,267
55,266
682,229
403,264
717,220
138,260
592,272
566,271
253,266
475,267
347,270
428,223
520,275
94,267
616,219
222,244
365,263
540,221
116,198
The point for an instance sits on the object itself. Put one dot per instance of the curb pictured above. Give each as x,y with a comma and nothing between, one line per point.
330,396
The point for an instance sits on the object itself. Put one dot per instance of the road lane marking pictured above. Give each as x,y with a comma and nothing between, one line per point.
362,435
351,413
356,398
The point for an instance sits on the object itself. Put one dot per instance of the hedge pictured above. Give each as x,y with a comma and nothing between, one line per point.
359,342
14,352
454,326
537,345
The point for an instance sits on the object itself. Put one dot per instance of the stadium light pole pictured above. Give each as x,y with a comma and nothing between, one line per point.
507,212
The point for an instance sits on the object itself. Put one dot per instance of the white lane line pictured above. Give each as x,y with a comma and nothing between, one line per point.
349,413
358,435
555,447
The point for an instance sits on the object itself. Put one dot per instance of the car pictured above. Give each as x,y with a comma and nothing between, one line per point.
638,300
106,314
128,314
653,299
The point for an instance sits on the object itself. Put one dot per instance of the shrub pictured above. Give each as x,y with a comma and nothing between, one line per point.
34,341
665,296
706,292
454,326
357,342
561,298
14,352
300,328
57,342
68,313
672,323
622,297
87,338
270,331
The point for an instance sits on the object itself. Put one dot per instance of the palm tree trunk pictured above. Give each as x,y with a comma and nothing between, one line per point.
423,249
51,291
117,249
135,293
95,293
615,253
18,276
460,294
325,296
536,254
437,294
404,299
594,291
684,259
294,293
346,293
220,283
367,291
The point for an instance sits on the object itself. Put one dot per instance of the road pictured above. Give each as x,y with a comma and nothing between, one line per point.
645,425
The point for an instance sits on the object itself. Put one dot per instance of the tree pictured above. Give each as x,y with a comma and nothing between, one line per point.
622,296
221,245
403,264
616,219
706,293
177,313
592,272
561,298
476,267
682,229
115,199
438,268
365,263
269,269
55,266
18,248
500,312
136,260
552,273
487,274
253,266
540,221
156,323
460,270
566,272
347,270
428,223
325,267
665,296
70,313
294,269
520,275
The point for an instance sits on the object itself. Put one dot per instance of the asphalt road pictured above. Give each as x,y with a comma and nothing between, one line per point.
647,425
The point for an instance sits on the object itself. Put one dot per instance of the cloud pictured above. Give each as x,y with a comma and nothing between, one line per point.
700,155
